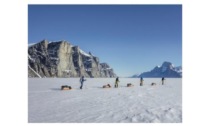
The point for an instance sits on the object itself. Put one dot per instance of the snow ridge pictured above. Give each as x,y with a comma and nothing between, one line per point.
35,72
84,53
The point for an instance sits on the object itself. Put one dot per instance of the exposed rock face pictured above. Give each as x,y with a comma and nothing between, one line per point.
166,70
61,59
106,71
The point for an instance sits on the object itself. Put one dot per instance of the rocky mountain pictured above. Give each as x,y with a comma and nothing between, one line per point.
166,70
179,70
61,59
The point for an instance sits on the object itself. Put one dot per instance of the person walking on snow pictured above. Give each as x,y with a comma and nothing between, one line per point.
141,81
163,80
116,82
82,79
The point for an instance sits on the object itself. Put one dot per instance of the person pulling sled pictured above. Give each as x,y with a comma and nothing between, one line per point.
82,79
141,81
116,82
163,79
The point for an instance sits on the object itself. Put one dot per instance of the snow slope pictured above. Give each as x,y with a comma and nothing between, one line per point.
93,104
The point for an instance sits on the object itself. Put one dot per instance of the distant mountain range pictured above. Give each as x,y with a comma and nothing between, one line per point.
166,70
62,59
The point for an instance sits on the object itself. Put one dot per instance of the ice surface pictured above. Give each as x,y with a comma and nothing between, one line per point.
93,104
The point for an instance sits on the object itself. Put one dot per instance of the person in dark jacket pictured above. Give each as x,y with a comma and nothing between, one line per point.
82,79
116,82
163,80
141,81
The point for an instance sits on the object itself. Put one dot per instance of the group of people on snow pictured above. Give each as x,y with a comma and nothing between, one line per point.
141,81
82,79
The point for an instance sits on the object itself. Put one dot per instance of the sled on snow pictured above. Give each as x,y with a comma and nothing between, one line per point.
153,84
65,87
130,85
107,86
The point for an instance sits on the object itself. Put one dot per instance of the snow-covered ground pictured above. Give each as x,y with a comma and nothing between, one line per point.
93,104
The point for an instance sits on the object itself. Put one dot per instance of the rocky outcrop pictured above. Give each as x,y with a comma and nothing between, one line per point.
106,71
61,59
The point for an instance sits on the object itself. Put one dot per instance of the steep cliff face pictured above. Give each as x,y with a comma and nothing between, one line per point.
106,71
61,59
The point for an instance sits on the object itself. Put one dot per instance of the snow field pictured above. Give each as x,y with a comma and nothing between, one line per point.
93,104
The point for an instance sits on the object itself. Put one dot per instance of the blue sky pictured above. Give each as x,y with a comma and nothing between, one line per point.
130,38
